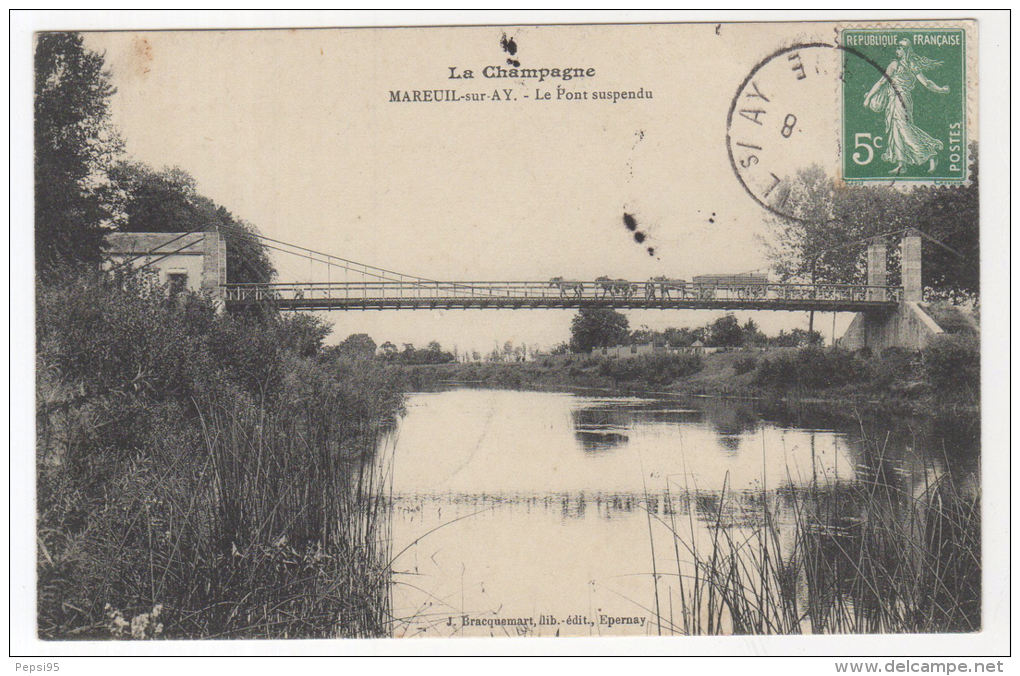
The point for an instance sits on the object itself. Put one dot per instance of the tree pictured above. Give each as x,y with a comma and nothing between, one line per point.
304,333
388,350
597,327
74,146
829,242
950,215
358,345
643,335
682,337
168,201
796,338
725,332
751,334
432,354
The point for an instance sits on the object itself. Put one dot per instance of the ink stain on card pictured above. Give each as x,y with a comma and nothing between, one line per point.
639,136
639,236
509,45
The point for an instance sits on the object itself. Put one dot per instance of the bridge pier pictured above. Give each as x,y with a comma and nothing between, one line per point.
907,325
876,268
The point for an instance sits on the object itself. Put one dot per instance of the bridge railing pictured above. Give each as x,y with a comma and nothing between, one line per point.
611,290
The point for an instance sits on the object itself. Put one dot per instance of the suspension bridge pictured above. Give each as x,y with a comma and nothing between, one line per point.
336,283
514,295
886,314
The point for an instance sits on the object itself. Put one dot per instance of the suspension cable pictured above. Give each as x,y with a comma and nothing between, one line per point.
344,262
157,248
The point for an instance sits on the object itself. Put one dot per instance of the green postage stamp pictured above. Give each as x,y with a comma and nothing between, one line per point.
904,104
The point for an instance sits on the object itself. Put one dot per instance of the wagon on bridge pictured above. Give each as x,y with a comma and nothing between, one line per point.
746,285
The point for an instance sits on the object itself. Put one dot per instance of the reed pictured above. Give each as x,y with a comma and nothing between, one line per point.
869,555
202,476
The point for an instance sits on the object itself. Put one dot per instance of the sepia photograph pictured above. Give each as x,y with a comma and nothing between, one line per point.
556,329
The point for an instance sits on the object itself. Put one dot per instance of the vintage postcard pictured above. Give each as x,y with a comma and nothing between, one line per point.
511,331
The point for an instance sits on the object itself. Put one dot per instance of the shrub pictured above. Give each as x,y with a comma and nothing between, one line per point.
811,367
745,365
952,363
204,474
896,364
656,369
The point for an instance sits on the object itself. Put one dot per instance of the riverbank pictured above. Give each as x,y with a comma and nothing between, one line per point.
942,378
204,476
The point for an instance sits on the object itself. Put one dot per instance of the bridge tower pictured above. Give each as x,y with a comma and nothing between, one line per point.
910,264
876,268
214,266
908,324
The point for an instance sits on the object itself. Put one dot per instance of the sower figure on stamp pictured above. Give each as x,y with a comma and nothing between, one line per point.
892,94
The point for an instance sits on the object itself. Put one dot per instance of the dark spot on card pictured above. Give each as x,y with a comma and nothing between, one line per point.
639,237
513,62
508,45
651,251
711,219
630,222
717,27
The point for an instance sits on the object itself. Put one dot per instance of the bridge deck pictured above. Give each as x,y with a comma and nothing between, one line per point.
621,294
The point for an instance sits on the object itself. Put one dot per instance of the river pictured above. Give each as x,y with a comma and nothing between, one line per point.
542,514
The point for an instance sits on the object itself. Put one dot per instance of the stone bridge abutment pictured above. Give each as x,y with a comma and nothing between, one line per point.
907,325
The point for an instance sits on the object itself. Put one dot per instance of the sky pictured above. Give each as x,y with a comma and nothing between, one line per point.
293,130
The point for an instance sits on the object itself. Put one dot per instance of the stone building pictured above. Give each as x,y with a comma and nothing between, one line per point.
194,261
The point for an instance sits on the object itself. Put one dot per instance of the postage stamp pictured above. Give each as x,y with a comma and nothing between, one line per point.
904,104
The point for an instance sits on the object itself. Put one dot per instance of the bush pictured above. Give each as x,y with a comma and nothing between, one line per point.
655,369
811,367
745,365
952,364
200,474
896,364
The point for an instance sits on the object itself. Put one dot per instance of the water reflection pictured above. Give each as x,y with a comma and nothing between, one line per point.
600,427
514,505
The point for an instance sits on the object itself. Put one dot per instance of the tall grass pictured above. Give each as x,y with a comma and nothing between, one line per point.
202,476
865,556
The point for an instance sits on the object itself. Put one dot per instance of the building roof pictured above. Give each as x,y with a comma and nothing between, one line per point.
154,242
